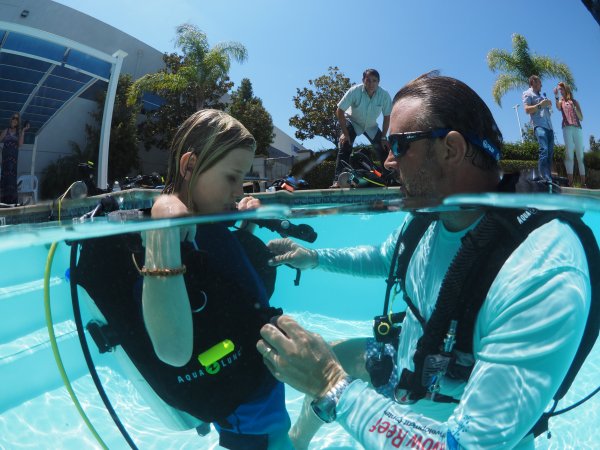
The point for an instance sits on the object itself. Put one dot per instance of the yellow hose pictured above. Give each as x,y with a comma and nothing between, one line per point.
57,358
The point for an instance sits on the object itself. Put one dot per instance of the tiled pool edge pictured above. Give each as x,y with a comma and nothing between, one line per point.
48,211
143,198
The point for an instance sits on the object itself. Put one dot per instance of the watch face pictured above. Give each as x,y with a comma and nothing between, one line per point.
324,409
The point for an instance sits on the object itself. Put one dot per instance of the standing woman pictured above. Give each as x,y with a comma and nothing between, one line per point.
571,126
12,138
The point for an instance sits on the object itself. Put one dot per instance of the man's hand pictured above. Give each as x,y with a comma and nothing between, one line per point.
546,103
288,252
298,357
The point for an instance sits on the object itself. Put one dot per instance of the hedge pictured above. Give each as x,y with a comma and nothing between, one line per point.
592,160
529,151
321,177
514,157
514,165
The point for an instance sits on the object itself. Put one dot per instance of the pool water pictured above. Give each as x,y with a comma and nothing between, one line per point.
36,411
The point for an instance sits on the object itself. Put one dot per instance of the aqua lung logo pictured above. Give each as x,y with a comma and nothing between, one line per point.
525,216
491,150
213,369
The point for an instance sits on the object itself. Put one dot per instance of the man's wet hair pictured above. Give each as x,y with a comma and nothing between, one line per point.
368,72
450,103
533,78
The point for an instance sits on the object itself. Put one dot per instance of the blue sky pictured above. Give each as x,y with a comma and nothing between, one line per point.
290,42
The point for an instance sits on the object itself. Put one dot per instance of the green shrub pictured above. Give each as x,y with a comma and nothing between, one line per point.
529,151
512,165
592,178
592,160
321,176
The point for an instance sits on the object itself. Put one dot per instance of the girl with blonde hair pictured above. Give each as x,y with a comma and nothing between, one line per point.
212,332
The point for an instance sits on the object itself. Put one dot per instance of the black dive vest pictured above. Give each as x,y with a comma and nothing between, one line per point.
482,254
231,302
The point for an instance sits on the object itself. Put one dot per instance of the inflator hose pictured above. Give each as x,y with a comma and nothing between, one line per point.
56,352
86,350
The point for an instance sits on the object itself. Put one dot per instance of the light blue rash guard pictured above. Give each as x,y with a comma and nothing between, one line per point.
525,337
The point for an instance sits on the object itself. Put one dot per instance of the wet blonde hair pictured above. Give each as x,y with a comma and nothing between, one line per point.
210,135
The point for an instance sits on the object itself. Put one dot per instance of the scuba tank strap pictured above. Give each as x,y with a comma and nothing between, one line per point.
465,285
380,365
405,247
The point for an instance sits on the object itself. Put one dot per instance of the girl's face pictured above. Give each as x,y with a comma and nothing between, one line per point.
563,91
217,188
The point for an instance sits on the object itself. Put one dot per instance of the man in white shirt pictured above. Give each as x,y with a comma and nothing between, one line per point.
357,114
444,141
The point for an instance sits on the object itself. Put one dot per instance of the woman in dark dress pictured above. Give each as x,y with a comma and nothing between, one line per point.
12,139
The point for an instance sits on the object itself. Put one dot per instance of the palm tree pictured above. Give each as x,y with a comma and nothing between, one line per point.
203,68
518,66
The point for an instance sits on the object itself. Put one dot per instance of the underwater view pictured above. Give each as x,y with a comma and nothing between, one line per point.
266,225
37,411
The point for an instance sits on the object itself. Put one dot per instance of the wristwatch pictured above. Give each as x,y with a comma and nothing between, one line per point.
324,407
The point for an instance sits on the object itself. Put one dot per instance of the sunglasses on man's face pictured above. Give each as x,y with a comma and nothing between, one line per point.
400,142
15,118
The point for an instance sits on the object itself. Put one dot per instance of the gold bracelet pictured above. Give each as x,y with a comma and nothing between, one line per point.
145,272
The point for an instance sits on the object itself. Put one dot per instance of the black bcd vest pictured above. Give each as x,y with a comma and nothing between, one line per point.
482,254
227,309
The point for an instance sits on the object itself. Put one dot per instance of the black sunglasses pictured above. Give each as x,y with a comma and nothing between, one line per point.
400,142
15,118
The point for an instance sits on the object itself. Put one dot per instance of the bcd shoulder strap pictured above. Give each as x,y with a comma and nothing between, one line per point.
405,247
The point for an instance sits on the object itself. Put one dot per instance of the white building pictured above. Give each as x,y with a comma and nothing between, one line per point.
53,59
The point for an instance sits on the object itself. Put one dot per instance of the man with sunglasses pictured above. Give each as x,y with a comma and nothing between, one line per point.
444,141
357,113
